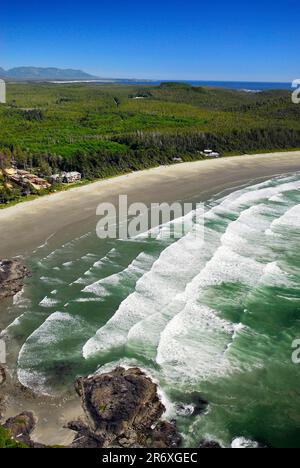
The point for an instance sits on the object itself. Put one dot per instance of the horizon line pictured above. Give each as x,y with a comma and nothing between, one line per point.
96,77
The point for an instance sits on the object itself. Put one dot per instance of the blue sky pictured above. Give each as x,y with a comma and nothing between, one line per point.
217,40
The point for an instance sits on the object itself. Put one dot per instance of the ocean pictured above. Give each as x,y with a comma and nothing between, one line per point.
214,319
243,85
246,86
237,85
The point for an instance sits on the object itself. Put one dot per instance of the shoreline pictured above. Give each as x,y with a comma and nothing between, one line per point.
85,182
30,224
169,183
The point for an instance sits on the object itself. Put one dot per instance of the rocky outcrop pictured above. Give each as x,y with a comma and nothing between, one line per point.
122,409
20,428
12,276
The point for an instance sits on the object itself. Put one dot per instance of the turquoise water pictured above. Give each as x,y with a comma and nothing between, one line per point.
214,318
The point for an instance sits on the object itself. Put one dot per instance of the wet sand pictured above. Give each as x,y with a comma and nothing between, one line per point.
28,225
52,414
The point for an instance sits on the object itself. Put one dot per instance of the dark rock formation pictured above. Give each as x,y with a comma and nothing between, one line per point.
2,375
200,406
197,407
209,444
12,276
20,428
165,435
122,409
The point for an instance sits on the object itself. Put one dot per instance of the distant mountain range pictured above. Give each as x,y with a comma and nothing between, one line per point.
38,73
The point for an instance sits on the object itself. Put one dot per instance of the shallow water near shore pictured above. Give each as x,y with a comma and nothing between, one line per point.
215,319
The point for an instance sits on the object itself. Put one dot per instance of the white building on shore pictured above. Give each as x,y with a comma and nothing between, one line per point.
69,177
211,154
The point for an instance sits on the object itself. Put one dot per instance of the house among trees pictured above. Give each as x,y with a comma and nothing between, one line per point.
55,179
65,178
24,178
177,160
69,177
210,153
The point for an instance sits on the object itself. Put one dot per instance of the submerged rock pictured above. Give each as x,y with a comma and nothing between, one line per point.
209,444
183,409
12,276
122,409
197,407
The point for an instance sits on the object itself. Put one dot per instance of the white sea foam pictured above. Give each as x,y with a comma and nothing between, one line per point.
48,302
165,232
48,332
45,243
137,268
43,340
253,196
291,218
153,291
277,198
51,281
34,380
143,315
88,257
108,259
243,443
19,300
15,323
193,345
275,276
197,330
89,299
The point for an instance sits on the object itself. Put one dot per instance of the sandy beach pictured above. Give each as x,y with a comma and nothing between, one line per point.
28,225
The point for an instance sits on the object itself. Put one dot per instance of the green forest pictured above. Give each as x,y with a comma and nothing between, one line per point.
102,130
